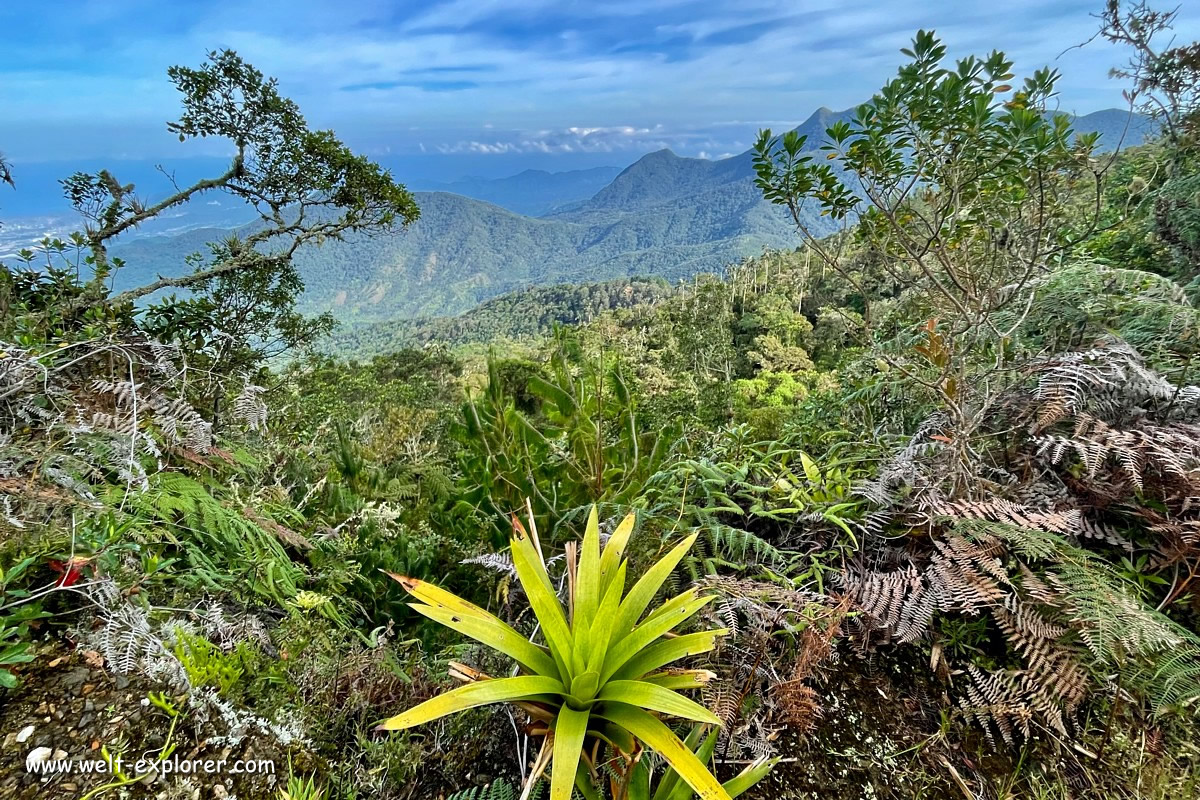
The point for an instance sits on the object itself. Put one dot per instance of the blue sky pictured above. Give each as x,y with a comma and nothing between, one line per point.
488,86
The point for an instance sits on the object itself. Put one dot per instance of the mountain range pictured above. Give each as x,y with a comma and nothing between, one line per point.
533,192
665,216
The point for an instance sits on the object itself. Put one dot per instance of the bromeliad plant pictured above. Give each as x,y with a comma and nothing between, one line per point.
702,742
598,686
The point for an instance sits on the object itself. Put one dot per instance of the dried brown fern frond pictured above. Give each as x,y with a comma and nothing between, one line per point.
1172,450
798,704
1052,665
722,699
999,701
1109,380
797,701
1000,510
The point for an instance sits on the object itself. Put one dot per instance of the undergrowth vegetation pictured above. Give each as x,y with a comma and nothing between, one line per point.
921,499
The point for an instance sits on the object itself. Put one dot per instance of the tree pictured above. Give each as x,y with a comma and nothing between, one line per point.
959,183
306,186
1166,79
1166,87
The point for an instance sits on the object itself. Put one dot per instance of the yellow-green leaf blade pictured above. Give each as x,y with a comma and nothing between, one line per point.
481,693
587,593
545,604
569,731
436,596
680,678
648,585
614,551
643,635
606,616
751,775
664,652
658,736
657,698
496,635
670,779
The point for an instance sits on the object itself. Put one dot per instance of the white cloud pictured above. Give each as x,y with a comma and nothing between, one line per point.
545,77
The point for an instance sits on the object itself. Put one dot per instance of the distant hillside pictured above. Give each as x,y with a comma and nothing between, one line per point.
663,178
663,216
1116,128
463,252
523,314
533,192
37,208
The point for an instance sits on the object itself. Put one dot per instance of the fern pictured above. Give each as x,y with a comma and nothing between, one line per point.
499,790
225,548
1160,657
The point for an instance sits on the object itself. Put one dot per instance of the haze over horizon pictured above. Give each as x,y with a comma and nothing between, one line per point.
493,87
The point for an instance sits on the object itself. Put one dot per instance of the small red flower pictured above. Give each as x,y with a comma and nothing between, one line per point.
71,571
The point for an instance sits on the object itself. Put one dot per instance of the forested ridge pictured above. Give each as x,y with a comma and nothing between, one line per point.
526,315
664,216
908,507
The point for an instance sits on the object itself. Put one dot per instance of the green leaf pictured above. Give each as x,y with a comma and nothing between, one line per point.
584,687
644,634
670,778
644,590
811,471
548,391
587,585
656,698
751,775
680,678
481,693
569,730
496,635
606,616
658,736
614,551
543,600
666,651
639,782
703,750
583,782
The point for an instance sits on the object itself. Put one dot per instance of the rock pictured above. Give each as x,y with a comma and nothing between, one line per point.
121,682
25,733
59,755
36,756
219,792
85,719
76,677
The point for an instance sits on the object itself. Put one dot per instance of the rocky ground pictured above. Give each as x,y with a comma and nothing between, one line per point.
75,709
